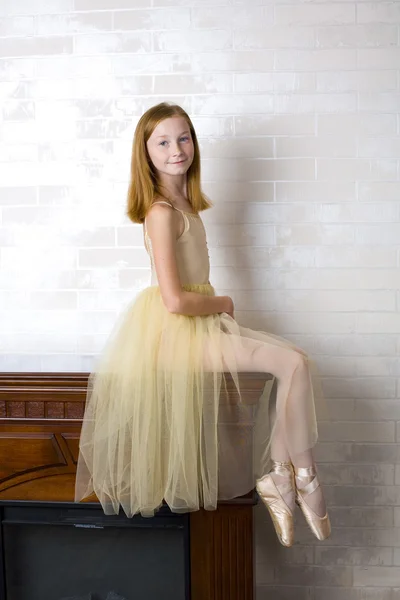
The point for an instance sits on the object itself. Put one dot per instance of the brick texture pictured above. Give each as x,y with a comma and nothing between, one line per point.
296,106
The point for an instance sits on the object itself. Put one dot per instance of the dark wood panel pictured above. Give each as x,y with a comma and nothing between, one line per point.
222,553
34,458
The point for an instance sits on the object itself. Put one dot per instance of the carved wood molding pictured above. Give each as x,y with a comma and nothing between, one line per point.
42,395
63,395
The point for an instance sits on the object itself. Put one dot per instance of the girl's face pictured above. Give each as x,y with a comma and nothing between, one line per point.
170,146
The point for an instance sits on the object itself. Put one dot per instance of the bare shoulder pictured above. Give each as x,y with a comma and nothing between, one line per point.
161,216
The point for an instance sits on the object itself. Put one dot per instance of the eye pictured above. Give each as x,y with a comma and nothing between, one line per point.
163,142
186,137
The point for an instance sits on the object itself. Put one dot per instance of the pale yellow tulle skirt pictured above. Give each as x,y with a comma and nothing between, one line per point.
167,417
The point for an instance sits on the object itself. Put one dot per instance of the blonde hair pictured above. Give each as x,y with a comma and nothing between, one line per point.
144,185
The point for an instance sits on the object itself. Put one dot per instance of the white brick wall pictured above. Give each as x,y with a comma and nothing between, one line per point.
296,105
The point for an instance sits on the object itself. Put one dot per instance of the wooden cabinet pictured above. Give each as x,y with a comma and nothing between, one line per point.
40,423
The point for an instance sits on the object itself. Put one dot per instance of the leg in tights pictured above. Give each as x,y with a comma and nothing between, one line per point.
290,367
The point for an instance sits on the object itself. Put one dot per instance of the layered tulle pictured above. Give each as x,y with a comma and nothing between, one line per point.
169,417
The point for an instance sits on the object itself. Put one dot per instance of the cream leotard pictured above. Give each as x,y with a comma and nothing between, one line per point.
191,250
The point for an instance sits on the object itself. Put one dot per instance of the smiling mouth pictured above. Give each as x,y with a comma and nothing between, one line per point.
179,162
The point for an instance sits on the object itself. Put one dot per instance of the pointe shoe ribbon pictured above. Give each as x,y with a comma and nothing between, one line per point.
320,526
271,494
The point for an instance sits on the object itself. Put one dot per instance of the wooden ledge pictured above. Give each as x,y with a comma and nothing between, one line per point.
63,395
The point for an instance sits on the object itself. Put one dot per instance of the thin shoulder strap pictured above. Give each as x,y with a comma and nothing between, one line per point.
172,206
163,202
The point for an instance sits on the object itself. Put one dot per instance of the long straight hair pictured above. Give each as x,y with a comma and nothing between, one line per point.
144,184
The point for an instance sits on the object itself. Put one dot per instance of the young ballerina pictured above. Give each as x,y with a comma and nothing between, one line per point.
161,421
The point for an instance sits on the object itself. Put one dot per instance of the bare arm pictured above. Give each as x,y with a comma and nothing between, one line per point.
163,230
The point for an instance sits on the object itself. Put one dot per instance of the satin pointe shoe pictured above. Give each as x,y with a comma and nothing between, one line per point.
271,494
320,526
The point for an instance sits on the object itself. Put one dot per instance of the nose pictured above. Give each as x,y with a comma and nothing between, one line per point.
175,148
